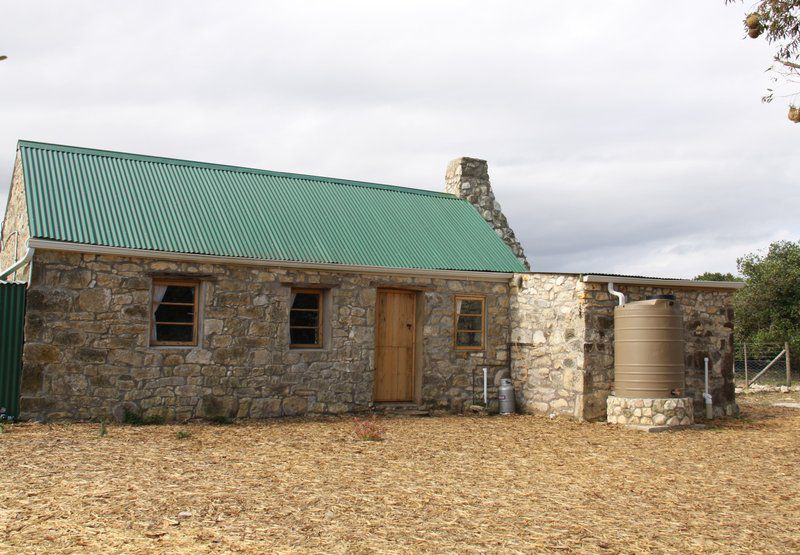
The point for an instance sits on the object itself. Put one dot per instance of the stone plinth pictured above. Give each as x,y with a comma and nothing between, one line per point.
677,411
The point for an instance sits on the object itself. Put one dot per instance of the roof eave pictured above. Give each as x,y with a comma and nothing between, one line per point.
686,283
472,275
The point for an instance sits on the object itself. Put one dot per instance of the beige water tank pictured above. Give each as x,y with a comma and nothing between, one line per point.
649,348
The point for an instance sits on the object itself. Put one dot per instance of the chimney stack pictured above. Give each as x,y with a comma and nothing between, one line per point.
468,178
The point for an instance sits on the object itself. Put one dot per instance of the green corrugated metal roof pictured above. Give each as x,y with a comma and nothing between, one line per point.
99,197
12,323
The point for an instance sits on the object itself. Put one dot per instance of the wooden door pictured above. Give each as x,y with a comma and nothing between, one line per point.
395,318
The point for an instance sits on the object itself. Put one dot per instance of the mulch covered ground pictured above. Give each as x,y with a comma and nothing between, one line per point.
444,484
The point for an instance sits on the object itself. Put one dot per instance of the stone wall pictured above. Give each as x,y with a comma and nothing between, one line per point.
16,220
468,178
547,343
562,343
708,332
650,412
87,349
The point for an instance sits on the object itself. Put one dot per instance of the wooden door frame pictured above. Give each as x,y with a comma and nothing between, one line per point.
417,358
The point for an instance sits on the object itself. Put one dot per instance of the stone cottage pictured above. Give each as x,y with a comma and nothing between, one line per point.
185,289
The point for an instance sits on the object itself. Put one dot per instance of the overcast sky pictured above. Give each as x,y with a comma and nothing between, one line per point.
621,136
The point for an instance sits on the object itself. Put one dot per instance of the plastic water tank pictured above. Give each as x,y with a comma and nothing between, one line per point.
649,348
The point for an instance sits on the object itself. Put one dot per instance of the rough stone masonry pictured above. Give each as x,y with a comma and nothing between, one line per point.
562,343
87,352
468,178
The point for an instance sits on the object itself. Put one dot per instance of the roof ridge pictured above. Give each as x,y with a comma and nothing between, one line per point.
227,167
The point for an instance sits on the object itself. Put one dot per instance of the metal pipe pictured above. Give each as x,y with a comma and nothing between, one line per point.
616,293
707,397
485,387
18,264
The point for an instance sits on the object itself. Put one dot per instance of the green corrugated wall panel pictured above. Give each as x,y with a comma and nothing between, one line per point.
125,200
12,322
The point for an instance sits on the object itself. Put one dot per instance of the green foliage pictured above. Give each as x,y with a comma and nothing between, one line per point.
220,420
183,434
136,420
103,430
768,306
718,276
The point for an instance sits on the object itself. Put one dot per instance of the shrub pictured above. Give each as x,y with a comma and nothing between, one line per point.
369,429
103,430
183,434
136,420
220,420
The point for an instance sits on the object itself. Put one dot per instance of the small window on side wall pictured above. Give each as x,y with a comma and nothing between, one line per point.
174,313
470,320
305,319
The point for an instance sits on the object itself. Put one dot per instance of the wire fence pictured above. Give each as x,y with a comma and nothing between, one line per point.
765,364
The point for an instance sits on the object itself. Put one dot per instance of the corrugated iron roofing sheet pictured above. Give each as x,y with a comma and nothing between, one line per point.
98,197
12,322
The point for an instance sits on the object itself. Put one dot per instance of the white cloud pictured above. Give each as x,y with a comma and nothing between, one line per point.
621,136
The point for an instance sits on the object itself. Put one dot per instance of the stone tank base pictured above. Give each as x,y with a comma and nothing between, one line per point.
630,411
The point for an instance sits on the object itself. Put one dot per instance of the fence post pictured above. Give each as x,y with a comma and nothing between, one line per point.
788,366
746,377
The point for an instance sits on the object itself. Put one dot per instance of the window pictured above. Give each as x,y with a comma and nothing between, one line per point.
305,319
470,321
174,313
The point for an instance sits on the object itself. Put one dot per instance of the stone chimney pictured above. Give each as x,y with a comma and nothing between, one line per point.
468,178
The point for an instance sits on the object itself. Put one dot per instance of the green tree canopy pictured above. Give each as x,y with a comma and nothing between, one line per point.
768,306
717,276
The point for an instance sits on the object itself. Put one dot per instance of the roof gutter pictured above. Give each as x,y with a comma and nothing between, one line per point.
47,244
689,283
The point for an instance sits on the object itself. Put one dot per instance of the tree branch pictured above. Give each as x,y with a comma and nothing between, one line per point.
788,63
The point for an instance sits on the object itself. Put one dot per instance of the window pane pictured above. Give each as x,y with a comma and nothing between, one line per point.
471,306
183,334
178,294
469,323
468,339
304,318
303,336
171,313
306,300
164,314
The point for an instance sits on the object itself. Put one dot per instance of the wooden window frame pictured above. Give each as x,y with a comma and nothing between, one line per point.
195,322
321,312
456,330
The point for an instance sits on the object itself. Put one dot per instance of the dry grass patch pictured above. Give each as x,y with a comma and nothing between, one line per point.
450,484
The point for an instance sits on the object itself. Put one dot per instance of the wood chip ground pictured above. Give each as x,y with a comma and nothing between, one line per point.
445,484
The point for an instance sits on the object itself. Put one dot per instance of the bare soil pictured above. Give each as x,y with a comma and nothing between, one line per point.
444,484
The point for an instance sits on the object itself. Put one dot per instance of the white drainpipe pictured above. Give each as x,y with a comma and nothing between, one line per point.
707,397
486,387
18,264
616,293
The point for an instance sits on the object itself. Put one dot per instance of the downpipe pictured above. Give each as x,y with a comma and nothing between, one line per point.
486,387
617,294
18,264
707,397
